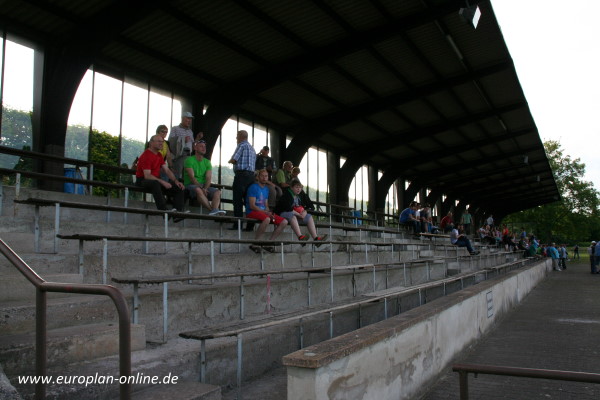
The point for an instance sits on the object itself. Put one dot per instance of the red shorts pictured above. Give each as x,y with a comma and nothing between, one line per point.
261,216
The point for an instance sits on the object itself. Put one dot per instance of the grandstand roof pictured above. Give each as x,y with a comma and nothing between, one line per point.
406,86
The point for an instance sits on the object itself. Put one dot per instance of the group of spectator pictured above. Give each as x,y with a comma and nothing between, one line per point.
278,200
178,166
418,217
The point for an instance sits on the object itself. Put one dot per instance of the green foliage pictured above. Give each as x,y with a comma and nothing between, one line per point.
573,219
17,133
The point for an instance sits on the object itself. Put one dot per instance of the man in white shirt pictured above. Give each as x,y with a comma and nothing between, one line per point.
460,240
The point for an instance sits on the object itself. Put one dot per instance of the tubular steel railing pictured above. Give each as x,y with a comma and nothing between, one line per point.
465,369
42,287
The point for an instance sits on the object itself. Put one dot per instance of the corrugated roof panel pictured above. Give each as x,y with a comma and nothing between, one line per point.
267,113
446,104
299,100
84,9
390,121
418,112
398,53
502,87
470,96
402,8
30,15
437,49
334,85
370,72
474,43
305,19
361,15
155,67
245,29
360,132
337,141
185,44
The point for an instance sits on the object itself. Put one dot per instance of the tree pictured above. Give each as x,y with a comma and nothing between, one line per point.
575,217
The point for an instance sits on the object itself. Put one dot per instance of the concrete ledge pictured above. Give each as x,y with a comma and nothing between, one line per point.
394,358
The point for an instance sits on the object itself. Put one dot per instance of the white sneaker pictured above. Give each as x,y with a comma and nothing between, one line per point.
216,211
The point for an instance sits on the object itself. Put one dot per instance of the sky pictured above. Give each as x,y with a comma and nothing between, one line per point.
554,45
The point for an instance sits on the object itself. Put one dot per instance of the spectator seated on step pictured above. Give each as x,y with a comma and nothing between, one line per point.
197,179
149,167
426,220
264,161
408,217
447,223
257,207
458,238
486,236
293,206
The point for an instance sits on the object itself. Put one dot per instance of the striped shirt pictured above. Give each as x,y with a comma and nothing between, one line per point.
245,157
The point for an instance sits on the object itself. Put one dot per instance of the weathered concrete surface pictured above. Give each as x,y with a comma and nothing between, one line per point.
395,358
555,327
7,390
67,345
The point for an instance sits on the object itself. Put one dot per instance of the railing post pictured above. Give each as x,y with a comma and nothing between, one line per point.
17,185
40,343
56,227
126,205
240,354
36,229
463,377
165,310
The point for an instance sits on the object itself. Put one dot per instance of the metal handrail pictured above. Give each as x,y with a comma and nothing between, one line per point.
465,369
40,324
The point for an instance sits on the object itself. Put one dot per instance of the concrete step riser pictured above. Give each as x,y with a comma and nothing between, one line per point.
67,346
200,305
18,288
176,262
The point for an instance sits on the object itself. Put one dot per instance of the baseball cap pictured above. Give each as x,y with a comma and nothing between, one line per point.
187,114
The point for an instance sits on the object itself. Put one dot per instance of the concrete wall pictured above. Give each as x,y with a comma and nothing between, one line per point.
396,358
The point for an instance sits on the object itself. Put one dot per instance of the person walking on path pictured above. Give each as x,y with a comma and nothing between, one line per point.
553,253
576,252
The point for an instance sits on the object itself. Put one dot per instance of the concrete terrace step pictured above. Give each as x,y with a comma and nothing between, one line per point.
180,391
66,345
17,287
177,358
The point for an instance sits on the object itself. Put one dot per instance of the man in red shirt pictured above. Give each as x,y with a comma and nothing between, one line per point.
147,175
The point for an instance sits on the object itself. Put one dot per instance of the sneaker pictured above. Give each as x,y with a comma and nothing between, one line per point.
320,239
179,219
474,253
214,211
303,238
221,212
